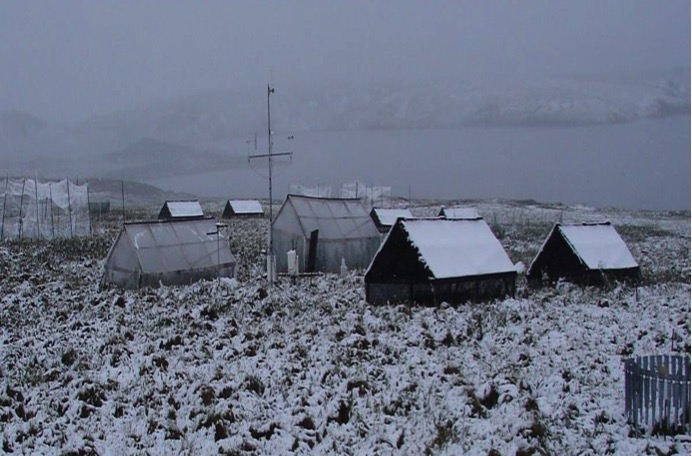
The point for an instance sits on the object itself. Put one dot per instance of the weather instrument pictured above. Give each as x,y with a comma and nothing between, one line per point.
271,259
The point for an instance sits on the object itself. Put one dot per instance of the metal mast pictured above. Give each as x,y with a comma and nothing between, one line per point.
270,90
270,252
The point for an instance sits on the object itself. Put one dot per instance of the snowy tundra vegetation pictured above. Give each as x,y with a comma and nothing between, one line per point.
230,367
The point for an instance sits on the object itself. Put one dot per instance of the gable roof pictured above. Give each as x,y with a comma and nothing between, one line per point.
387,217
335,218
459,212
456,248
180,245
598,245
246,206
181,209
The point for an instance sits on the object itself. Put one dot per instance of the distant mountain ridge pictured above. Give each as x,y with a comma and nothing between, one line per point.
191,133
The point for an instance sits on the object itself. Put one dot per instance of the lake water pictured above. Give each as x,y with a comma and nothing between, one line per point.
638,165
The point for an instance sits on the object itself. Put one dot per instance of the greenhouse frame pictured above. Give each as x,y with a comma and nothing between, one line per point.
323,231
149,254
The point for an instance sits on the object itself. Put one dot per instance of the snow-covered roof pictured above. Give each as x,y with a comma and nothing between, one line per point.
387,217
335,218
246,206
457,248
189,208
177,245
599,246
460,212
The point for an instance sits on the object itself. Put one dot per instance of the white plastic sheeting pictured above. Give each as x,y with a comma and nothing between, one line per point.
362,191
344,230
317,191
170,252
33,209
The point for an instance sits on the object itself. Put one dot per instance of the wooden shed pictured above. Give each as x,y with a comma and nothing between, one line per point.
459,212
587,253
242,209
385,218
181,210
434,260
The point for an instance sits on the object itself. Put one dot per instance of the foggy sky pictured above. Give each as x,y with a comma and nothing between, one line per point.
67,60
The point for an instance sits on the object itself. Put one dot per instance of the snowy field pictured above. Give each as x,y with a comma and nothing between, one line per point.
224,367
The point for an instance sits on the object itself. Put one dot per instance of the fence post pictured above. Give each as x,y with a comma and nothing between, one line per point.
69,205
38,225
657,392
4,206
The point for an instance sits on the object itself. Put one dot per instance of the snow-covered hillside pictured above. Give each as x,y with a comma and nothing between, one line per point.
210,117
205,124
226,368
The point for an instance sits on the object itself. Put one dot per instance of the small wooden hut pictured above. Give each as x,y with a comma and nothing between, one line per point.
181,210
434,260
587,253
242,209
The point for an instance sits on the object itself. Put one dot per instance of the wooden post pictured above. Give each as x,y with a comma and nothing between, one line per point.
38,227
122,192
88,208
4,205
69,205
52,225
21,204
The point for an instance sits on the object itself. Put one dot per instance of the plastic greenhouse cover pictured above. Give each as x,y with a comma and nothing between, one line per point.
335,218
178,246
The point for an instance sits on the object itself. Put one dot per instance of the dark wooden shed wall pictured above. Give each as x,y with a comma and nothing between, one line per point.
228,213
558,260
398,275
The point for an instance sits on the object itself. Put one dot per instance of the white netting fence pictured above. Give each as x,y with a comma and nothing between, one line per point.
33,209
362,191
319,191
357,190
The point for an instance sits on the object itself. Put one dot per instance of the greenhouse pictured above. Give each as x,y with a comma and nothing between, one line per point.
323,232
168,253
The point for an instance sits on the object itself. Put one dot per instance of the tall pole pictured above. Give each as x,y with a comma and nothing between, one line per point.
122,194
271,261
272,267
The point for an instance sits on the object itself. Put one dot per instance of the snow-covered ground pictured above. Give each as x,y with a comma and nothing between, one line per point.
223,367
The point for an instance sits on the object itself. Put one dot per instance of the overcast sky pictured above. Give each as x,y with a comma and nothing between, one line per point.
67,59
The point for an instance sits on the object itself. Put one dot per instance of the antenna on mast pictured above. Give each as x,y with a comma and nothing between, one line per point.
271,259
251,141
